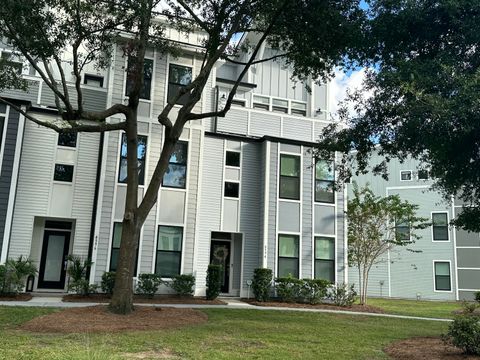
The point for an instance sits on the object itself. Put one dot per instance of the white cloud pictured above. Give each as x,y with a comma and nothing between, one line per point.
343,82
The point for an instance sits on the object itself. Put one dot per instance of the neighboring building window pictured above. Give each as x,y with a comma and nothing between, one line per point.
440,226
289,177
261,102
147,78
231,189
298,108
93,80
325,258
169,251
288,250
423,175
178,77
324,179
176,174
232,158
279,105
12,60
115,253
402,230
406,175
63,173
442,276
141,153
239,102
67,139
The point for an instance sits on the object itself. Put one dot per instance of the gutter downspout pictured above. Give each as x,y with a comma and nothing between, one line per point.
215,119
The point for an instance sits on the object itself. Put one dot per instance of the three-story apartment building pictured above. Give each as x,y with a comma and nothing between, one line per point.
242,191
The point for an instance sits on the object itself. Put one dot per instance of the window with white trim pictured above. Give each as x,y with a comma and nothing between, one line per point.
141,155
423,174
67,139
324,180
169,251
442,276
406,175
176,174
402,230
261,102
325,258
298,108
440,226
63,173
288,250
147,78
289,177
115,250
178,77
279,105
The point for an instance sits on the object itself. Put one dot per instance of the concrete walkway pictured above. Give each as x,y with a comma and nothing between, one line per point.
56,302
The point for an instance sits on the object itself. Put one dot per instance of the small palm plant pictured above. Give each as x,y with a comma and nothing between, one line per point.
77,270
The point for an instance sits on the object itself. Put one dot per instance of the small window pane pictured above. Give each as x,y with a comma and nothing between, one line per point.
175,176
67,139
117,234
231,189
423,174
440,233
178,77
406,175
442,268
290,188
288,246
325,270
288,267
170,238
147,78
299,106
324,248
179,154
168,263
324,192
232,158
324,170
93,80
289,165
141,154
440,219
63,173
443,283
261,99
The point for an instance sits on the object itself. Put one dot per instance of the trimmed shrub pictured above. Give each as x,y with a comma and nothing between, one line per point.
77,270
214,278
14,274
182,284
288,288
464,332
313,291
262,284
108,282
343,295
148,284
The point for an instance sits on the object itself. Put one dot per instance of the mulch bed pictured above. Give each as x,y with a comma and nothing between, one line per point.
99,319
19,297
355,307
425,348
157,299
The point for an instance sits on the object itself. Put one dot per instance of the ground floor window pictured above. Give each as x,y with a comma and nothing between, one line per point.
442,276
325,258
169,251
288,250
115,253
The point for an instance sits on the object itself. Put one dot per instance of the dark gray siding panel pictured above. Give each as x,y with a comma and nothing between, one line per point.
7,168
30,95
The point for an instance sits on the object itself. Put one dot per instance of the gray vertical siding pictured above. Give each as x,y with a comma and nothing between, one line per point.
250,210
7,168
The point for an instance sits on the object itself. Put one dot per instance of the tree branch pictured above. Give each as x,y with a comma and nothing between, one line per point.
256,61
199,21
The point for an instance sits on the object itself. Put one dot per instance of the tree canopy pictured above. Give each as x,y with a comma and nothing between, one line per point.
425,80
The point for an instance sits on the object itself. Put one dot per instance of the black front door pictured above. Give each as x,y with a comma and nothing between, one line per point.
52,263
220,255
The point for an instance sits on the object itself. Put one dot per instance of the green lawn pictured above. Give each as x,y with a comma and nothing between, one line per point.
431,309
229,334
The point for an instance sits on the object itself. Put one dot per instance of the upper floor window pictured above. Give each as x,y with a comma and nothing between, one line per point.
289,177
442,276
67,139
93,80
402,230
232,189
440,226
176,174
63,173
261,102
178,77
141,153
169,251
423,175
279,105
406,175
324,180
147,78
232,158
299,108
12,60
